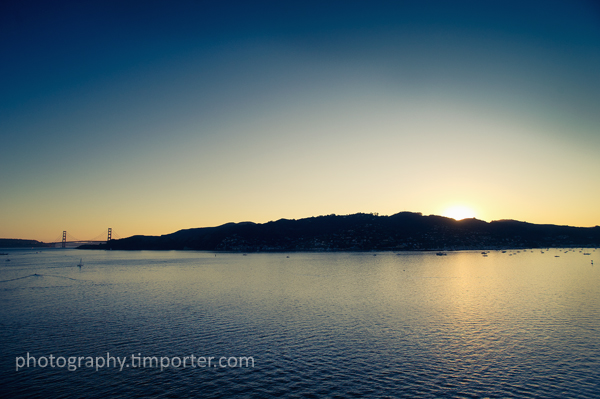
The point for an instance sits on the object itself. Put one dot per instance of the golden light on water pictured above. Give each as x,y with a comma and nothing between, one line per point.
459,212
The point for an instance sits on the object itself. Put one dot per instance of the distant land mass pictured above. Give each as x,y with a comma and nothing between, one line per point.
404,231
16,243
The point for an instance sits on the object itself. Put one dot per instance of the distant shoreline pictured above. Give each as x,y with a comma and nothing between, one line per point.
7,243
489,250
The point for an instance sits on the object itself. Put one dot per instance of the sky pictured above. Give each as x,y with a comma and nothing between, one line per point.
150,117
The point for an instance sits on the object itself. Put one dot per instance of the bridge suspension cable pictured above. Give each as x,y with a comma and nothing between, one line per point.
69,238
99,237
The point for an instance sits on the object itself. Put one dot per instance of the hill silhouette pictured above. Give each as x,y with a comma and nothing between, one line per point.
18,243
365,232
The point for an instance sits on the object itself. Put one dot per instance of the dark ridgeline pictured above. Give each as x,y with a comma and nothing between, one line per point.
364,232
16,243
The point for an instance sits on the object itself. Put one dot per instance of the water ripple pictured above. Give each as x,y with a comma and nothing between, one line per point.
317,325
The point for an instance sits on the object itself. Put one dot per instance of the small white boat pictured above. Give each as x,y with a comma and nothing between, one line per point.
80,263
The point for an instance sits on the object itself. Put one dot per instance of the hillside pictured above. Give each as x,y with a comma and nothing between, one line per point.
365,232
16,243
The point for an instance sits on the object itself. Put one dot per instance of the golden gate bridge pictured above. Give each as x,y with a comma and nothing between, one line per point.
69,239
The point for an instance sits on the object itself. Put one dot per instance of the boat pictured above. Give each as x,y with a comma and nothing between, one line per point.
440,253
80,263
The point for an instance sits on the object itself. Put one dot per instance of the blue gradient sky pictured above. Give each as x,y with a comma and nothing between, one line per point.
149,117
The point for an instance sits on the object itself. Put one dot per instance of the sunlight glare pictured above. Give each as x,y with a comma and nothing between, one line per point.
459,212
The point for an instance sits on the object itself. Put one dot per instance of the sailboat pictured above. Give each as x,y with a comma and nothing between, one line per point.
80,263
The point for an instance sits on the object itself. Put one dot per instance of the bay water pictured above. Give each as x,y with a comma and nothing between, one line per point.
268,325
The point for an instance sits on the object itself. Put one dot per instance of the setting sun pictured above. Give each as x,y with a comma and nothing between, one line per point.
459,212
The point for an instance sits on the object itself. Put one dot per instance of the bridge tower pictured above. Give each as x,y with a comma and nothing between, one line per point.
109,234
64,240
